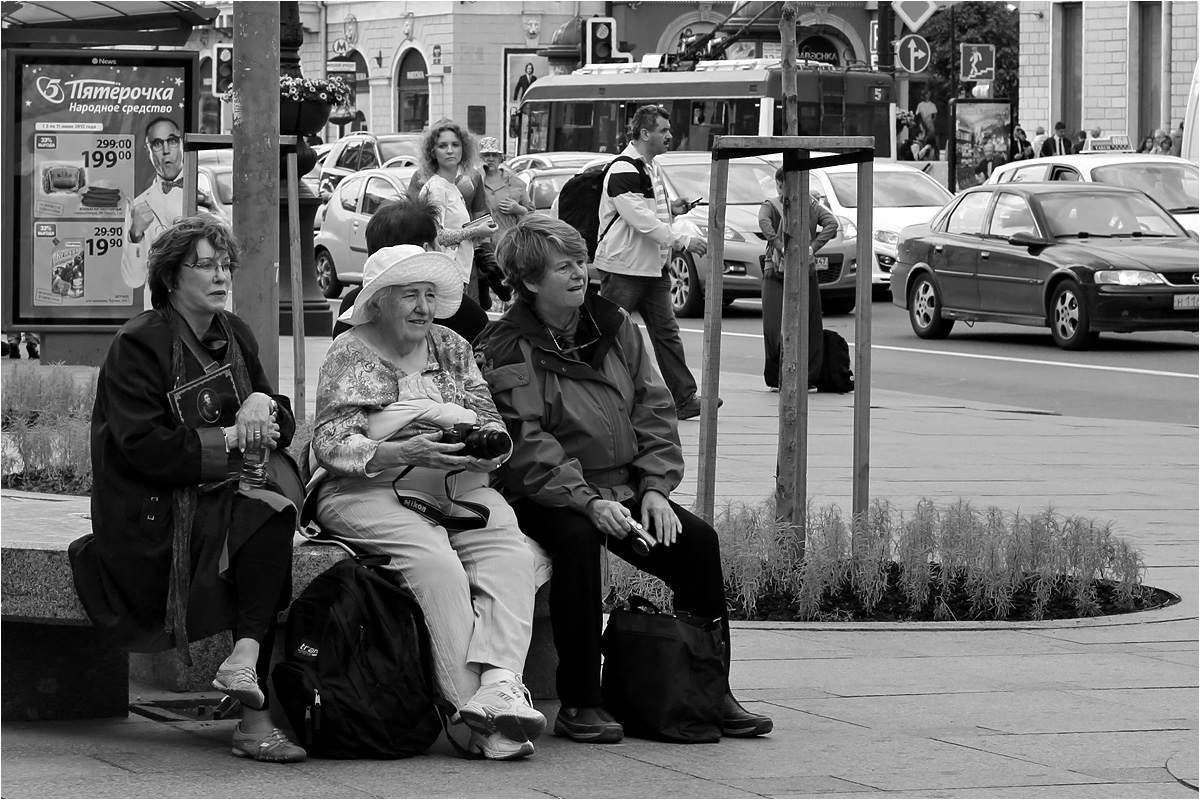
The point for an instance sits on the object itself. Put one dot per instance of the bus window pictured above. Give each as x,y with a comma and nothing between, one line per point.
809,121
575,129
610,128
534,118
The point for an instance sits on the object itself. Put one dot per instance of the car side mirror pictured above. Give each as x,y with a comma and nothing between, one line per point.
1195,237
1026,239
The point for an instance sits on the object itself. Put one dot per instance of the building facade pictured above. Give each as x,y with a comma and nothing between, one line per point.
1123,65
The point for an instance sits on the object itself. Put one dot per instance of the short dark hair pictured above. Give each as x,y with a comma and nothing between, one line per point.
407,220
470,156
524,250
176,243
1060,126
644,119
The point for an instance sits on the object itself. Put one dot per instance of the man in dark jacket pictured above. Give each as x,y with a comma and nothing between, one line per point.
1059,144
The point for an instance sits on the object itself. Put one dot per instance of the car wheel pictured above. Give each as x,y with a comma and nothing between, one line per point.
327,278
687,298
925,310
1069,318
834,306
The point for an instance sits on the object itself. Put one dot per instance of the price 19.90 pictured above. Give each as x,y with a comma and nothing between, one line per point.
100,159
98,247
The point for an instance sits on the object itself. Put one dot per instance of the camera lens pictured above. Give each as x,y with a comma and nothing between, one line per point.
488,444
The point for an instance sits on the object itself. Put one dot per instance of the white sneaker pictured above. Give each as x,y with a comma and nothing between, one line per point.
498,747
504,706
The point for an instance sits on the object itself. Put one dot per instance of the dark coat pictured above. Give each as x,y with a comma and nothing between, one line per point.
140,454
1049,148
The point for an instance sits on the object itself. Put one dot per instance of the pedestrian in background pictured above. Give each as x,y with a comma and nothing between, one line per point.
1039,139
1148,143
823,226
1164,146
12,345
1020,149
1058,144
1177,142
633,254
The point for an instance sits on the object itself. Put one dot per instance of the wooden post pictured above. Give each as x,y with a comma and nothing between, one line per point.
706,479
791,483
861,491
256,173
297,279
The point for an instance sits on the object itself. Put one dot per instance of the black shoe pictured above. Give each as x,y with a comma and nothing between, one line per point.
591,724
739,723
32,349
692,407
5,351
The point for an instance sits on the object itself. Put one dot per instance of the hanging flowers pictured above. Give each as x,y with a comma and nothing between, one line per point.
334,91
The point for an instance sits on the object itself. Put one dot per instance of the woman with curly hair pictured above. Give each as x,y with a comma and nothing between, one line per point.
450,176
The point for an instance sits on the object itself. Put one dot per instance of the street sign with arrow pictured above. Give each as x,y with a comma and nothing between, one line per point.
913,53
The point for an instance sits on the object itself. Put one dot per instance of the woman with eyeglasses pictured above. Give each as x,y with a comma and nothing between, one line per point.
178,550
596,456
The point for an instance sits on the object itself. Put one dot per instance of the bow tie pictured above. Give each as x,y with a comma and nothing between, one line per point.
167,185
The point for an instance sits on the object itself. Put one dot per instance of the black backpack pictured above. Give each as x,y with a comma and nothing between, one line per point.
579,201
357,678
836,375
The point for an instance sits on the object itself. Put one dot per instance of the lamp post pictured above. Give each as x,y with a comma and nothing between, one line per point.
317,319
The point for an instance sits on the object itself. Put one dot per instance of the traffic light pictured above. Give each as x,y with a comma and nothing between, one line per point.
600,41
222,68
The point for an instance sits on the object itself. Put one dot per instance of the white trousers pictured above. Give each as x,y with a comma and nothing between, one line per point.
475,587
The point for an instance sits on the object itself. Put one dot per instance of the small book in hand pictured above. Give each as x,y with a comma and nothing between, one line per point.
206,400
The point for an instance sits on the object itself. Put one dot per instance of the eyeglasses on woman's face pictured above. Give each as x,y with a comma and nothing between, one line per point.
209,266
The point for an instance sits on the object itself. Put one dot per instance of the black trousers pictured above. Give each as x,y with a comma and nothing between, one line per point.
772,316
691,568
262,573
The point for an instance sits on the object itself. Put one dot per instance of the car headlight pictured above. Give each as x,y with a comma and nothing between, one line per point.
730,234
1128,277
848,229
887,237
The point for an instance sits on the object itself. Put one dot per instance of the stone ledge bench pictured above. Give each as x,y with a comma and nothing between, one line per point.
55,665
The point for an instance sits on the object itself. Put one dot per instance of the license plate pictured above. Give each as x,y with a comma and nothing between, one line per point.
1187,302
823,263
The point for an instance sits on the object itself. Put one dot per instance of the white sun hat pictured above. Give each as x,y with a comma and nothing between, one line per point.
404,264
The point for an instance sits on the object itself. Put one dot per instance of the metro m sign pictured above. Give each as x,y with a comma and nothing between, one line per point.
914,13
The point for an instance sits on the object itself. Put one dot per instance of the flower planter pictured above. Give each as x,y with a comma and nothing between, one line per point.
303,118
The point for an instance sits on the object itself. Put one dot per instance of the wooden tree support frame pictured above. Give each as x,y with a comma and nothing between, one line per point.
792,463
195,142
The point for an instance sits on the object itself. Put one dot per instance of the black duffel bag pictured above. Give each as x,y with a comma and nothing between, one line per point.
664,674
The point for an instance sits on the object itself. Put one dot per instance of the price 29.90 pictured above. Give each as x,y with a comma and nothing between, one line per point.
98,159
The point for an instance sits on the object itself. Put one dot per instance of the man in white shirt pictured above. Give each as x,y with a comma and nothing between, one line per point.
158,206
636,241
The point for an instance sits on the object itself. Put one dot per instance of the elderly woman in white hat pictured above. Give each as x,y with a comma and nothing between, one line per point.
389,390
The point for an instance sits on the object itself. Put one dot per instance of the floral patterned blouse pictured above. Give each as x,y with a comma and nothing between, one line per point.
356,381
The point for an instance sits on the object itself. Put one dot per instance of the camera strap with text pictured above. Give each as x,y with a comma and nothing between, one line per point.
476,518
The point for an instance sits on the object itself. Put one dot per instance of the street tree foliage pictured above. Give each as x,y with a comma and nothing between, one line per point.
973,23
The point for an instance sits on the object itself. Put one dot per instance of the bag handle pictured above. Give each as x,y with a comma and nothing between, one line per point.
639,603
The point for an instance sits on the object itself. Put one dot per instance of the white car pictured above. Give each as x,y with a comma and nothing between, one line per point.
1174,183
340,246
903,196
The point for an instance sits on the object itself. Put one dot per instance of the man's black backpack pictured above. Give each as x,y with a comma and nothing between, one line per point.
579,201
836,375
357,678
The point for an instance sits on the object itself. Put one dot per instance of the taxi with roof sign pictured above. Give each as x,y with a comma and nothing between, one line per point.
1172,182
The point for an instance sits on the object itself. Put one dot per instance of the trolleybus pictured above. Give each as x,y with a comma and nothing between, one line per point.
590,109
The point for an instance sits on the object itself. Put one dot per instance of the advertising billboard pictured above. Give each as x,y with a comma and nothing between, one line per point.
982,137
93,161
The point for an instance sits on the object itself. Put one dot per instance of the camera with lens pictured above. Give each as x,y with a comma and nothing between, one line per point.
479,443
642,540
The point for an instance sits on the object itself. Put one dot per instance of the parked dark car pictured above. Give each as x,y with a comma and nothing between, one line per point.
361,150
1076,258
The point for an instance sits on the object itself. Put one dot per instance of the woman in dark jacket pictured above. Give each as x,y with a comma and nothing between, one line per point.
596,457
178,552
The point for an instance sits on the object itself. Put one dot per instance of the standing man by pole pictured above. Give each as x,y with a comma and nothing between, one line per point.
636,241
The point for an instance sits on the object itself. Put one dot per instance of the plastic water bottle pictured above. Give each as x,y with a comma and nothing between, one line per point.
254,467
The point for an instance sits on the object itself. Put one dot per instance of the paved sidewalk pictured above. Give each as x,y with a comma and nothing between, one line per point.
1081,708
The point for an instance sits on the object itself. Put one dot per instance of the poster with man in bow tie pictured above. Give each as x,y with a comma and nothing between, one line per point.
148,214
93,135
